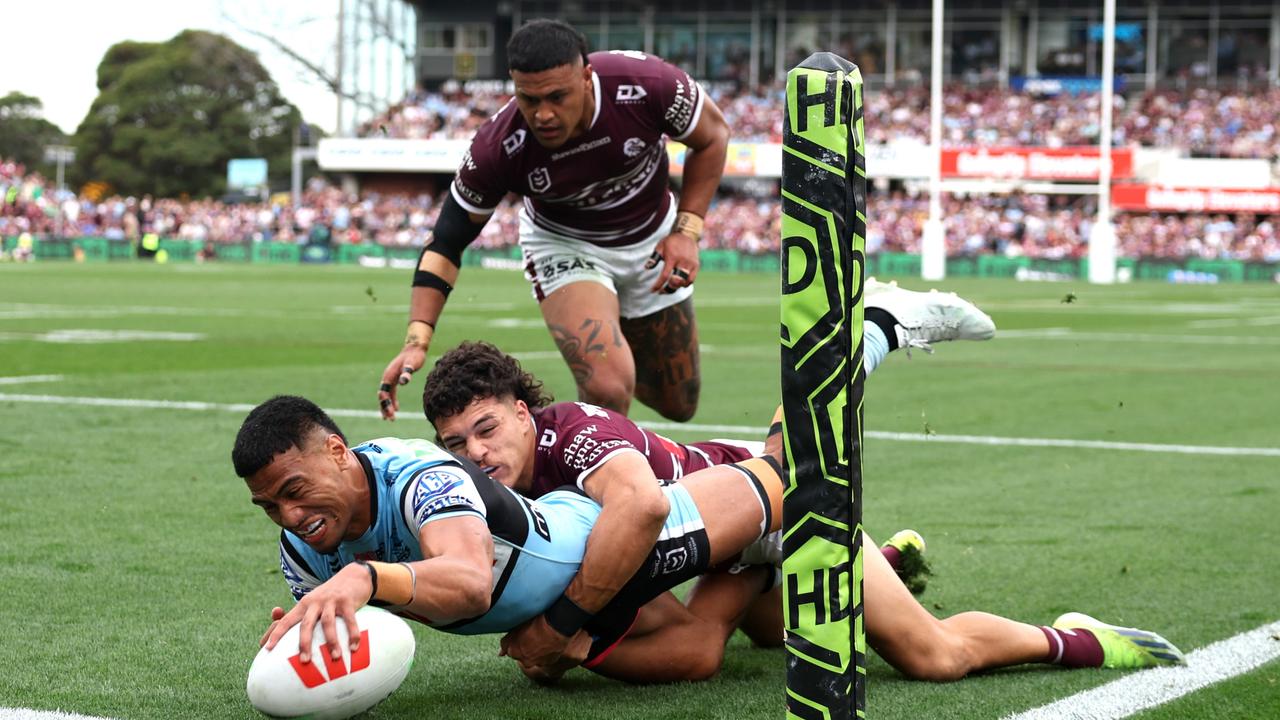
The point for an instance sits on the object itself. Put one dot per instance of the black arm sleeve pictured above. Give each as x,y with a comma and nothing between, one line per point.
453,232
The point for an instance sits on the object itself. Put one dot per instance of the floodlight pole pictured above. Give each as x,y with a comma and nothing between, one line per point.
1102,237
933,245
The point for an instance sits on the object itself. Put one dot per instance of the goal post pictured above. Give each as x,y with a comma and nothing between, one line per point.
824,203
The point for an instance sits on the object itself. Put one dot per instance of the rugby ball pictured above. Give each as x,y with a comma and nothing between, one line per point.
281,685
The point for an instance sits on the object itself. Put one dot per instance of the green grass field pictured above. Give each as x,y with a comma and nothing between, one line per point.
135,577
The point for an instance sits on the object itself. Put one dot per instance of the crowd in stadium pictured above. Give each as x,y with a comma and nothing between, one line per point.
1204,122
1038,226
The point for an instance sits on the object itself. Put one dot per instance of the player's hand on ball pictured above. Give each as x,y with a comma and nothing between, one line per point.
339,597
399,372
276,614
542,651
678,254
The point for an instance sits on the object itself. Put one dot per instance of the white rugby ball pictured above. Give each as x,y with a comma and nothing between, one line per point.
280,685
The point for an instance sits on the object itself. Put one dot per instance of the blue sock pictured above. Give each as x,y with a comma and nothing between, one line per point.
875,347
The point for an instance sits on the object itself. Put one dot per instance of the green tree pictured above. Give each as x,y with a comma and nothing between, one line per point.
24,134
169,116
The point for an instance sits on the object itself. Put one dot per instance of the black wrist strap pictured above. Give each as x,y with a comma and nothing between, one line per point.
565,617
373,578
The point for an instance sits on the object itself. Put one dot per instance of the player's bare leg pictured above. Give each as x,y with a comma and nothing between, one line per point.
583,320
763,620
671,642
923,647
667,370
731,506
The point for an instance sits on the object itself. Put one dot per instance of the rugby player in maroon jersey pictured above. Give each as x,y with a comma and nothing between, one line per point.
610,254
485,407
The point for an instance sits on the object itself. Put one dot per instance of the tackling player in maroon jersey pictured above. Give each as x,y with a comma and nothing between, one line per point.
486,408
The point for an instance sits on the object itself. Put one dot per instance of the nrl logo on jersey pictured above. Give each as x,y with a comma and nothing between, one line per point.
540,180
513,142
633,147
630,93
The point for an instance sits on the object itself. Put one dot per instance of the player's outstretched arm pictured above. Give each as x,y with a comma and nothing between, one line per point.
433,280
703,167
456,583
633,512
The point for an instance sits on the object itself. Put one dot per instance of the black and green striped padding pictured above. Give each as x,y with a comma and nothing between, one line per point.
824,203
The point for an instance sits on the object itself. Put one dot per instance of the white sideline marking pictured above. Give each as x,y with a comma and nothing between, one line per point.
1068,334
26,311
1235,322
517,323
24,379
1214,663
749,431
1061,443
85,337
27,714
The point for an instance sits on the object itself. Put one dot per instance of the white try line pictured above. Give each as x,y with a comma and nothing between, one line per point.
1132,693
24,379
751,432
27,714
1061,333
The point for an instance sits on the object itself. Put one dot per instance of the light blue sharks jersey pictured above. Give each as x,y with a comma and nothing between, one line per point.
538,546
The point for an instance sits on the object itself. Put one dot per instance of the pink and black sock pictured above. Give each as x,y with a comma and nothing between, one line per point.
1076,648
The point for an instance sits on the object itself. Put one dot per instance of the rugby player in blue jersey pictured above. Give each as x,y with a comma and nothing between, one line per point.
407,525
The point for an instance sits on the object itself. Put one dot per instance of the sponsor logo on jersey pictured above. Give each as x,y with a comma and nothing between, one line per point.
472,196
430,487
631,93
633,147
309,672
548,438
467,162
540,180
586,450
680,113
584,147
430,507
550,269
514,141
610,193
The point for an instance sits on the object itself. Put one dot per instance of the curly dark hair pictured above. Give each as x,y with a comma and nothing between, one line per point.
476,370
275,426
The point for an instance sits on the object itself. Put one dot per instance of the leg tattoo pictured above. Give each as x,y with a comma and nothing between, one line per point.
665,345
593,336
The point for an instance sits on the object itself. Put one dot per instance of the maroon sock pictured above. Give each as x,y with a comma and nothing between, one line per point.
894,557
1076,648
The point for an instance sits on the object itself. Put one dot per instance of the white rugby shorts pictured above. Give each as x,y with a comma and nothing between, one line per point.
553,261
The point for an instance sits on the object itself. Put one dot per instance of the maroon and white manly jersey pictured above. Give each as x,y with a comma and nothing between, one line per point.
575,438
608,186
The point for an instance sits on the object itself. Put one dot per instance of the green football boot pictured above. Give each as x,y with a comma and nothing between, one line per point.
913,569
1124,647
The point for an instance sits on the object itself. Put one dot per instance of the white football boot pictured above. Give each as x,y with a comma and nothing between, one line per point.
928,317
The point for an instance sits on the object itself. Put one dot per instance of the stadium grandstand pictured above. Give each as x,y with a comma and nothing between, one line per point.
1195,132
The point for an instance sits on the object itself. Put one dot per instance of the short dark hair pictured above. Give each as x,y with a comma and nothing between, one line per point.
273,427
476,370
544,44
